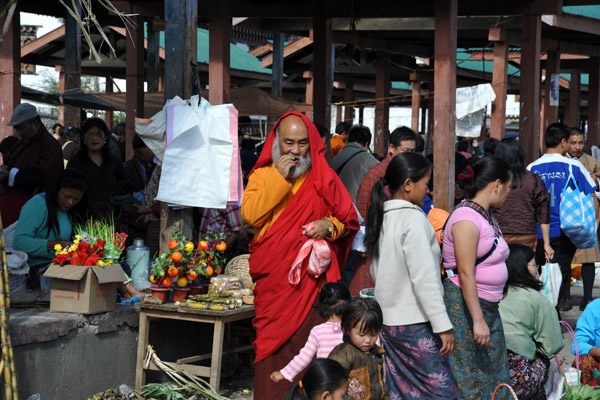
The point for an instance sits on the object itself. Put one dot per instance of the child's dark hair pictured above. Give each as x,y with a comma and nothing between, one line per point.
66,179
518,273
364,312
322,375
333,299
404,166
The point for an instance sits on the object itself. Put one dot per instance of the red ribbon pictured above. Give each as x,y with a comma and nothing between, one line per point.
470,174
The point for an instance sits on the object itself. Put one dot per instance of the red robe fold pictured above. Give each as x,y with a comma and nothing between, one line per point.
280,307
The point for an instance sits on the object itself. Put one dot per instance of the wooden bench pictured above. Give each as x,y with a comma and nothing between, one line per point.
171,311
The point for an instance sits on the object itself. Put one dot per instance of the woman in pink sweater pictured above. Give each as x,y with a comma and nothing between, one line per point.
333,300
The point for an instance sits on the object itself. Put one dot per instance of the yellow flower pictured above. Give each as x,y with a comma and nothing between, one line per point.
108,262
78,237
76,242
57,247
101,263
73,248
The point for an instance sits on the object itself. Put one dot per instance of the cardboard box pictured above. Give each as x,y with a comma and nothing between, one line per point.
84,290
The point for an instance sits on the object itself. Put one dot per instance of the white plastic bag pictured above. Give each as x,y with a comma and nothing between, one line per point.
552,279
555,384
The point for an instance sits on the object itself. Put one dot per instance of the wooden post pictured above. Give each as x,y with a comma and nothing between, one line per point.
10,79
423,128
444,103
181,47
416,102
383,86
322,73
153,56
529,116
552,67
61,89
277,68
134,95
349,98
361,115
594,102
72,65
572,106
219,52
338,115
108,115
181,37
308,97
499,84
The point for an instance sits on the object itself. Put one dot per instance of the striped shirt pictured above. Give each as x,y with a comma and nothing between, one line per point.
322,339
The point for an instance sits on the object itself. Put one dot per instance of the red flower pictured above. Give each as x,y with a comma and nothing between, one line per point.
98,246
78,260
84,248
60,259
92,260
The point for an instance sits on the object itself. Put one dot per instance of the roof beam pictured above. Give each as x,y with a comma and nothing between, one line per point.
390,46
43,41
573,23
288,50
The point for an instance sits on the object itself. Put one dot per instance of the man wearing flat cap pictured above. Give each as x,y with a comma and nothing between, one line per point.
36,146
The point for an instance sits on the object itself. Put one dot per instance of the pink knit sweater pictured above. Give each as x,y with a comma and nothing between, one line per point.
322,339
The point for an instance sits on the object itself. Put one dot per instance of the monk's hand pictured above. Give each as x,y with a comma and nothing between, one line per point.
284,164
317,230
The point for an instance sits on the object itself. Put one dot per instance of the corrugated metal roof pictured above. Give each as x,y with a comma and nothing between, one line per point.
584,11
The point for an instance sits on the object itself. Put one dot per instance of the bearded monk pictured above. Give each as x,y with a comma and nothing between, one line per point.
292,196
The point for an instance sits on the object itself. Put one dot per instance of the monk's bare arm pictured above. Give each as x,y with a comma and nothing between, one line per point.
266,189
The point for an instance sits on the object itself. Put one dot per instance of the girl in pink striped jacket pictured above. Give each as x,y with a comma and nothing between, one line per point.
333,300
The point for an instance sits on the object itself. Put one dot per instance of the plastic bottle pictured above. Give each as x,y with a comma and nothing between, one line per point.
138,258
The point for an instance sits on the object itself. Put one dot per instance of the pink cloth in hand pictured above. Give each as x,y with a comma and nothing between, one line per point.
320,258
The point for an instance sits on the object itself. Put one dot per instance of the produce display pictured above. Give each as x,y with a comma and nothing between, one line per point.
186,263
224,293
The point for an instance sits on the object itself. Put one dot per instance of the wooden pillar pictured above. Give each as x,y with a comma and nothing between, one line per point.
338,115
61,89
134,95
72,65
153,56
308,97
181,37
423,128
323,72
416,102
444,103
10,80
361,115
277,69
108,115
530,86
499,84
181,49
383,86
219,12
542,126
594,102
348,99
572,106
552,67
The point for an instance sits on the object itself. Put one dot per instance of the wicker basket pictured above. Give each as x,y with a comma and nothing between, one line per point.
239,266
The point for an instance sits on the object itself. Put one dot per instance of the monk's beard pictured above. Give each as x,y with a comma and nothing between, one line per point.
295,172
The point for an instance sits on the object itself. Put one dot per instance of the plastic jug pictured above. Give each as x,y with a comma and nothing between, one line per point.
138,258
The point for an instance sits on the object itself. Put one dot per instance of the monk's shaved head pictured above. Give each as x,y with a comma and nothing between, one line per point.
293,124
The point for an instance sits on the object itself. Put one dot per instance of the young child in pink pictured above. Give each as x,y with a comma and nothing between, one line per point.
333,300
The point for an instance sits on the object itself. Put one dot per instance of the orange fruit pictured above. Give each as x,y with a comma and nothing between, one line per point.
153,279
181,282
221,246
209,271
166,282
203,245
176,256
172,244
189,246
173,272
191,275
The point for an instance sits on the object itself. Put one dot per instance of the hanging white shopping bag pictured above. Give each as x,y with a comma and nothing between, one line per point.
552,279
197,163
577,214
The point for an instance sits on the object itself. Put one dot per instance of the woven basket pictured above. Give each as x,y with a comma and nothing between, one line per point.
239,266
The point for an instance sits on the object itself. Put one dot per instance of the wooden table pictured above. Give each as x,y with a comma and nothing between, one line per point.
171,311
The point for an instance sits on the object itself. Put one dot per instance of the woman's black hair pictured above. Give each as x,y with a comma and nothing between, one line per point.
322,375
67,179
364,312
101,125
511,151
518,273
404,166
333,299
486,170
